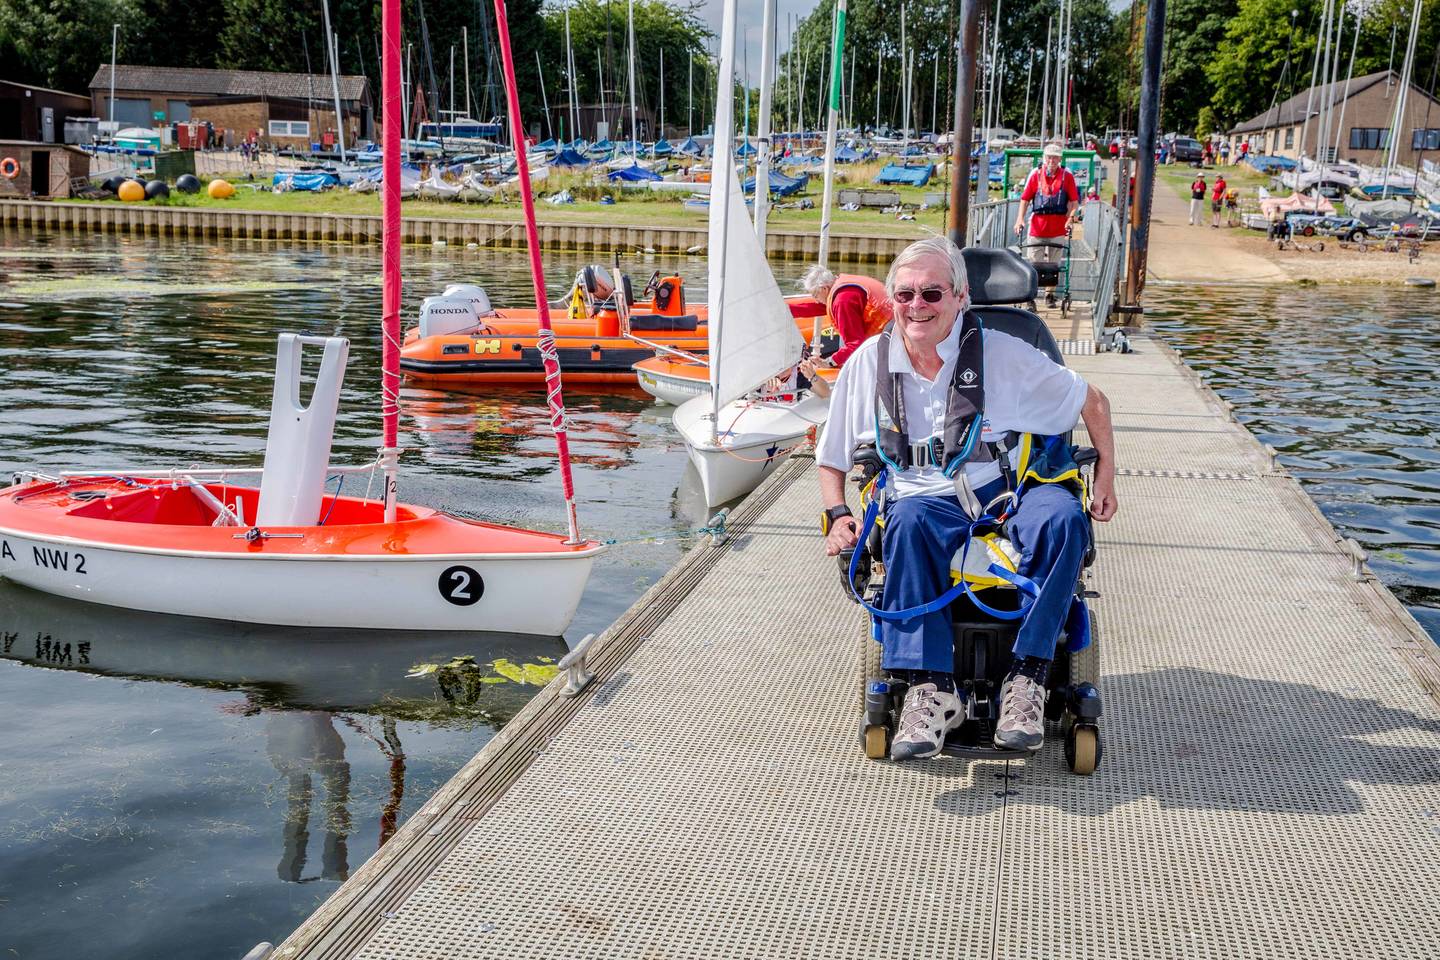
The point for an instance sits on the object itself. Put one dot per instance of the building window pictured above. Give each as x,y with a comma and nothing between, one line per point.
290,128
1369,138
1289,138
1428,139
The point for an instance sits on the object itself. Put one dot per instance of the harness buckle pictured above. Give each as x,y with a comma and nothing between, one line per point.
923,454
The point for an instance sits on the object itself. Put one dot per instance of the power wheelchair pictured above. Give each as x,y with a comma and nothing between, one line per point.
983,644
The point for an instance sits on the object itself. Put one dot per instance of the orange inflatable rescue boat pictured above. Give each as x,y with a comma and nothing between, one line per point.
461,339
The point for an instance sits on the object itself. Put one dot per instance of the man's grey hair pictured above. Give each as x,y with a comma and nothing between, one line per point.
817,280
934,248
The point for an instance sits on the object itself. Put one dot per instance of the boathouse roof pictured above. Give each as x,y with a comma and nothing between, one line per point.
228,83
1293,110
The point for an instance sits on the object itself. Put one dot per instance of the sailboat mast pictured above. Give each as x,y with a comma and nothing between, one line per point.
1045,82
660,134
634,130
767,79
554,393
837,64
334,77
465,54
392,120
722,173
452,88
690,97
544,100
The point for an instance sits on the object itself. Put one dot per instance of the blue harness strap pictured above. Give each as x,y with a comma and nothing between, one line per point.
1029,590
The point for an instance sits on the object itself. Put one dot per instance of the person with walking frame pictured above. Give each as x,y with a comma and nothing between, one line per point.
1052,197
959,395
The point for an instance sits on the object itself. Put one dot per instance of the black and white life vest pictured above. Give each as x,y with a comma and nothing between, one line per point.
959,442
1051,204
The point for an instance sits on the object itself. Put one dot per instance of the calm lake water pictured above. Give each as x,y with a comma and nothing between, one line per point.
181,787
188,788
1342,382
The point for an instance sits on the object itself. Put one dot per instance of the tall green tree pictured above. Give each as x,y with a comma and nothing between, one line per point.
1194,30
598,34
60,43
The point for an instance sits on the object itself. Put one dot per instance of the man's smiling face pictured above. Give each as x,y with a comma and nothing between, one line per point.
923,324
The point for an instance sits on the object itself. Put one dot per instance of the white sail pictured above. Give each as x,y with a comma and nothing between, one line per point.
752,334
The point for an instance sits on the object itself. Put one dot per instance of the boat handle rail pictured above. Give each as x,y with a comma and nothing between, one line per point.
179,474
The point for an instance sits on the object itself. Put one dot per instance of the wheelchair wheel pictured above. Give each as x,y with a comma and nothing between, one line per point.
870,669
877,741
1083,749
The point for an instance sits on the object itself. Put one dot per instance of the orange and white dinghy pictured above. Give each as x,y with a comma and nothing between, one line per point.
676,379
190,542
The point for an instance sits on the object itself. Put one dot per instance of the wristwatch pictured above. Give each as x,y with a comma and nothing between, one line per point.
830,515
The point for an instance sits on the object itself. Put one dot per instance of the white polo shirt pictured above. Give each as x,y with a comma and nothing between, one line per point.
1025,391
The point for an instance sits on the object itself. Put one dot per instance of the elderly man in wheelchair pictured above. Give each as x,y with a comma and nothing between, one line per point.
961,416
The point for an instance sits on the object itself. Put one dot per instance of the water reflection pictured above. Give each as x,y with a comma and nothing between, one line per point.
1341,381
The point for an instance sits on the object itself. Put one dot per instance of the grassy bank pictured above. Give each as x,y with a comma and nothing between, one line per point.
630,206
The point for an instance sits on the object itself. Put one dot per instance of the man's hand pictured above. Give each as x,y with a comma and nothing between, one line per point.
1102,497
1019,228
844,534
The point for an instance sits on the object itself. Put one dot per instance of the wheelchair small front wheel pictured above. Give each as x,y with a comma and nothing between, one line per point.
876,737
1083,749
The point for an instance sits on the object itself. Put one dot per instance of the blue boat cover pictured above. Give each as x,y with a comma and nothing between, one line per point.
746,149
306,181
690,147
602,146
634,174
1269,164
549,146
662,148
846,155
911,176
780,185
568,158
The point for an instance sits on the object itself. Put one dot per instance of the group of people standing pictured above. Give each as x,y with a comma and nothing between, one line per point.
1219,197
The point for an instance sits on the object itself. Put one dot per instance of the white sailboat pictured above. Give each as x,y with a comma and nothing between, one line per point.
736,436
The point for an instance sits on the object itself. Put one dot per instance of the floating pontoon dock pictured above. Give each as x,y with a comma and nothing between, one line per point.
1270,785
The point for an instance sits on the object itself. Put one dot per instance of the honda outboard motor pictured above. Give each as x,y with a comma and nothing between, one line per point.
475,294
440,316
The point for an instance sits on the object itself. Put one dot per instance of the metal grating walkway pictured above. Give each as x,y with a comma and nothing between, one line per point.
1270,786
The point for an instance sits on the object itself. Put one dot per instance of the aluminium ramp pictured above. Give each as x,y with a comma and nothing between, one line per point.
1269,787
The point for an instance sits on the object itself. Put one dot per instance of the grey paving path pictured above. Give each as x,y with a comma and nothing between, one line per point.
1270,786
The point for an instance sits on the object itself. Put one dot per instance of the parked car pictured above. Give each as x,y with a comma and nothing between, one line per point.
1186,150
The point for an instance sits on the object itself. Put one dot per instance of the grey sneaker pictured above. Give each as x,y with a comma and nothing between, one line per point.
1022,714
928,714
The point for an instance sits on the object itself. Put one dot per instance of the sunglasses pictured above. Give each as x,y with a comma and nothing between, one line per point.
929,294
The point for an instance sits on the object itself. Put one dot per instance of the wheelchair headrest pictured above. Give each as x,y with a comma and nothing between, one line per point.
999,276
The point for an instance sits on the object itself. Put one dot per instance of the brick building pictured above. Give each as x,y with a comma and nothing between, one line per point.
1364,130
285,109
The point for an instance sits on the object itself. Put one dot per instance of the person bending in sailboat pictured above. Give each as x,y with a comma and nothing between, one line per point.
858,308
949,401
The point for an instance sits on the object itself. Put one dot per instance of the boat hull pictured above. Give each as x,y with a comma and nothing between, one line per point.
427,571
754,438
672,382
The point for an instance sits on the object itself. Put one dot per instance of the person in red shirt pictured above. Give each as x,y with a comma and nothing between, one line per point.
1051,197
858,308
1217,200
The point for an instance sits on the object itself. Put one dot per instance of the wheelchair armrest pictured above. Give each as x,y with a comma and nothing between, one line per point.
867,458
862,571
1086,456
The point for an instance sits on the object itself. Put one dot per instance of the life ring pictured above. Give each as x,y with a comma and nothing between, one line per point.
10,168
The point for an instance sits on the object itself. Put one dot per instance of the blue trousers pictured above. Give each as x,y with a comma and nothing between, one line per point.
923,533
